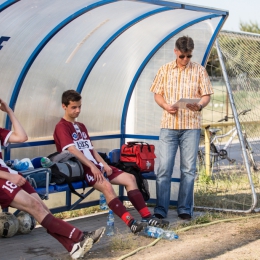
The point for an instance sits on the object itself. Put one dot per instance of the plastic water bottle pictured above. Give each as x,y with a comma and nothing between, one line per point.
46,162
156,232
153,232
102,202
20,166
110,231
169,235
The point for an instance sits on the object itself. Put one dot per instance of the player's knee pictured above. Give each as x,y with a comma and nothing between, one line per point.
131,178
36,205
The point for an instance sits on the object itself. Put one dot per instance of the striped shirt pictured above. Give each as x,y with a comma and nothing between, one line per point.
174,83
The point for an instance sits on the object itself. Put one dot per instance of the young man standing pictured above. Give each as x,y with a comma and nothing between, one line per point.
16,192
180,78
73,136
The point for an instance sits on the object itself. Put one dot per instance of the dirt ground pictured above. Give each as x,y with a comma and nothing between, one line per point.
238,240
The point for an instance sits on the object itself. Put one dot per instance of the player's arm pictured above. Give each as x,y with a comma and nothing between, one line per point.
98,175
18,134
17,179
99,159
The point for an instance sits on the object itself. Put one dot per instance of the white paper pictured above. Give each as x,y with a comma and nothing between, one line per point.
181,103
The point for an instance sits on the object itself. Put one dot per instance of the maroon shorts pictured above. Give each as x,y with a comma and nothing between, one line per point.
8,190
90,177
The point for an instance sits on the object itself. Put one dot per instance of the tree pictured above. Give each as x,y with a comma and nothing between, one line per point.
252,27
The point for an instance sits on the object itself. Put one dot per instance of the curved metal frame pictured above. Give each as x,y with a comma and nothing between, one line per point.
7,4
111,39
41,45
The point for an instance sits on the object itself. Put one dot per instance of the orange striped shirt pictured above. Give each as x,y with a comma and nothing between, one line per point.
174,83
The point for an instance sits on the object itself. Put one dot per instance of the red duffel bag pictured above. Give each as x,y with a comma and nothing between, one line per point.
138,153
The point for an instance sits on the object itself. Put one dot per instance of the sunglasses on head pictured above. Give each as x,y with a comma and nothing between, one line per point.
183,56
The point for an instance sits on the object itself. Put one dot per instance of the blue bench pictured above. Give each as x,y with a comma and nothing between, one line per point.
114,156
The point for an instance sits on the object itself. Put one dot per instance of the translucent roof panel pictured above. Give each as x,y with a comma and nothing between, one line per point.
114,71
144,115
62,62
107,50
27,23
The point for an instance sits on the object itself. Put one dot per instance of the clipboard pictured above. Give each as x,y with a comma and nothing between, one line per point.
181,103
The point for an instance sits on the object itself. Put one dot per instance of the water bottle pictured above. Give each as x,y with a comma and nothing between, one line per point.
169,235
154,232
46,162
103,202
20,166
110,231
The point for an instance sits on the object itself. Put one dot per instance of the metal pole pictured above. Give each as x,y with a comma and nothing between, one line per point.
239,130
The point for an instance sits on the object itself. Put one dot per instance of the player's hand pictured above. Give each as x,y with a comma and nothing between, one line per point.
170,109
193,107
98,175
3,106
17,179
107,169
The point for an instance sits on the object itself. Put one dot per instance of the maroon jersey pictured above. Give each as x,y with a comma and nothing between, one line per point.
67,134
8,190
4,136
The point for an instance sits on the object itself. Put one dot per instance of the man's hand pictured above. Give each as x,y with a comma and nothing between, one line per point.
98,175
107,169
170,109
193,107
17,179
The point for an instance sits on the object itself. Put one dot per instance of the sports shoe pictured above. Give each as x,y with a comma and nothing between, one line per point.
137,226
95,235
155,222
185,216
157,215
81,248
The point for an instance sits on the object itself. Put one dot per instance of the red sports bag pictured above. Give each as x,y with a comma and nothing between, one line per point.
139,153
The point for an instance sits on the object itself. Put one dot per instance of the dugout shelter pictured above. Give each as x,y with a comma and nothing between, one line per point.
107,50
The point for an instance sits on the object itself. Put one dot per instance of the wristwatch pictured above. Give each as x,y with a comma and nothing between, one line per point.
200,107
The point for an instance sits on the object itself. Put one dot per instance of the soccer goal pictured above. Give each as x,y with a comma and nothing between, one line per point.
228,169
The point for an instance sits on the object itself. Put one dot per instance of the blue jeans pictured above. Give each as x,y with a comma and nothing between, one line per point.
188,142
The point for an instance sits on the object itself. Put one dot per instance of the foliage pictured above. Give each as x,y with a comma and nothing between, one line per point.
252,27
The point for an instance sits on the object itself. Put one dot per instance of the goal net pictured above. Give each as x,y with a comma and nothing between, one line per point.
227,185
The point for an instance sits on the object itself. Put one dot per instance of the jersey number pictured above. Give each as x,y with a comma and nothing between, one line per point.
10,187
90,178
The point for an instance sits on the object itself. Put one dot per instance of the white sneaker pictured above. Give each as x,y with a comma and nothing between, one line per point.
81,248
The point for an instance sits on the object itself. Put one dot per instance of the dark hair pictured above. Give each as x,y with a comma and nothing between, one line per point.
70,95
184,44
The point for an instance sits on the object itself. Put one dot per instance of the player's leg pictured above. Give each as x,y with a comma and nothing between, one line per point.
117,206
136,198
69,236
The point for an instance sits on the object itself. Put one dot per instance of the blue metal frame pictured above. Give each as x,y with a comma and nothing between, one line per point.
7,4
186,6
35,53
212,40
41,45
165,7
109,42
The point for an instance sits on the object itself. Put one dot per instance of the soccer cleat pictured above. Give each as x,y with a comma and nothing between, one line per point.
137,226
155,222
95,235
81,248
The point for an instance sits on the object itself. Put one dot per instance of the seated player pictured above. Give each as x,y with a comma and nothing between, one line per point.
73,136
16,192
